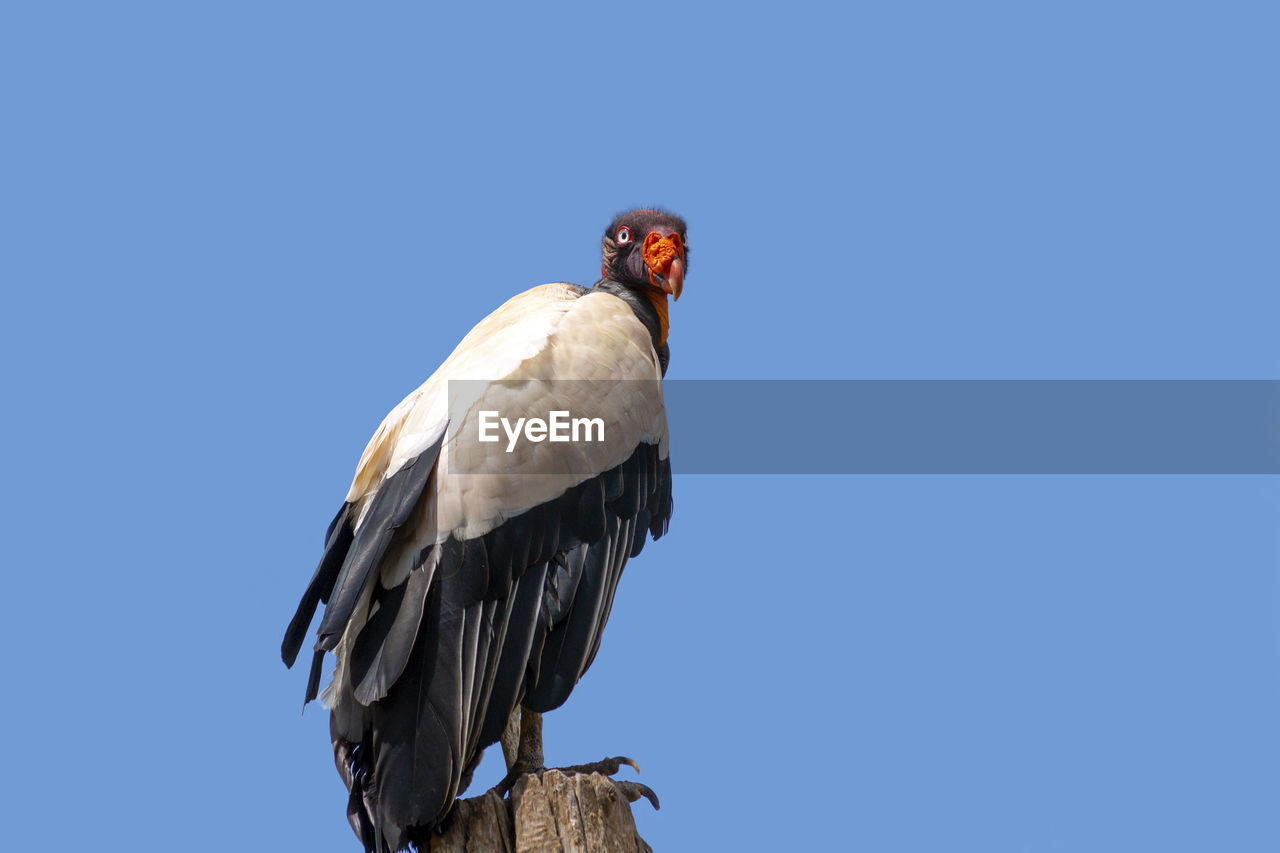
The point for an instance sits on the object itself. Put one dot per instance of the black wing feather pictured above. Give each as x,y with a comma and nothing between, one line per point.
478,628
391,507
336,542
569,642
313,677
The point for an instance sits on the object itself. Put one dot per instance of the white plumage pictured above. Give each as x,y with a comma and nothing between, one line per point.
585,354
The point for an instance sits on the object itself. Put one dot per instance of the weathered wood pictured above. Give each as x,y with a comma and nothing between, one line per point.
549,813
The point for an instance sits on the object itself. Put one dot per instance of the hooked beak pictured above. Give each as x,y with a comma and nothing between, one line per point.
673,281
664,256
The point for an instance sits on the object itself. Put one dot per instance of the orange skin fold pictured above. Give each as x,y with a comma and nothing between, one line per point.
664,256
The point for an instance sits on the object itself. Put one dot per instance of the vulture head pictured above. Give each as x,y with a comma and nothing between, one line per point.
648,251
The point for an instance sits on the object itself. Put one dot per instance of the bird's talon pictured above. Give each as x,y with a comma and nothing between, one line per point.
635,790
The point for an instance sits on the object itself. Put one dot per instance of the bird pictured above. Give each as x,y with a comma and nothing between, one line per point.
466,582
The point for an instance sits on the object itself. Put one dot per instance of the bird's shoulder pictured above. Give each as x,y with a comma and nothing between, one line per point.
556,331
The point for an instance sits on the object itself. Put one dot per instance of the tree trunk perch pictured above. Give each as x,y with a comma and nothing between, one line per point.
545,814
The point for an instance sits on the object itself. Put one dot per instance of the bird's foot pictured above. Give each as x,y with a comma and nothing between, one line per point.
605,767
609,766
522,747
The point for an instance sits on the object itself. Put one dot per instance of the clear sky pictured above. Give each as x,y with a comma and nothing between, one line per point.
232,237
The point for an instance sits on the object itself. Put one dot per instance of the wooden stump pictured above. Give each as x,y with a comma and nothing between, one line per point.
545,814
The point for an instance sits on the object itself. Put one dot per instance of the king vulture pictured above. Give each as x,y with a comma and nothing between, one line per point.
463,582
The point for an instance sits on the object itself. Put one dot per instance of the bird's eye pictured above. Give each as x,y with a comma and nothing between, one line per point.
624,234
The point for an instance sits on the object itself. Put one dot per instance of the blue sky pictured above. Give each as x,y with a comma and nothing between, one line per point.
232,237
